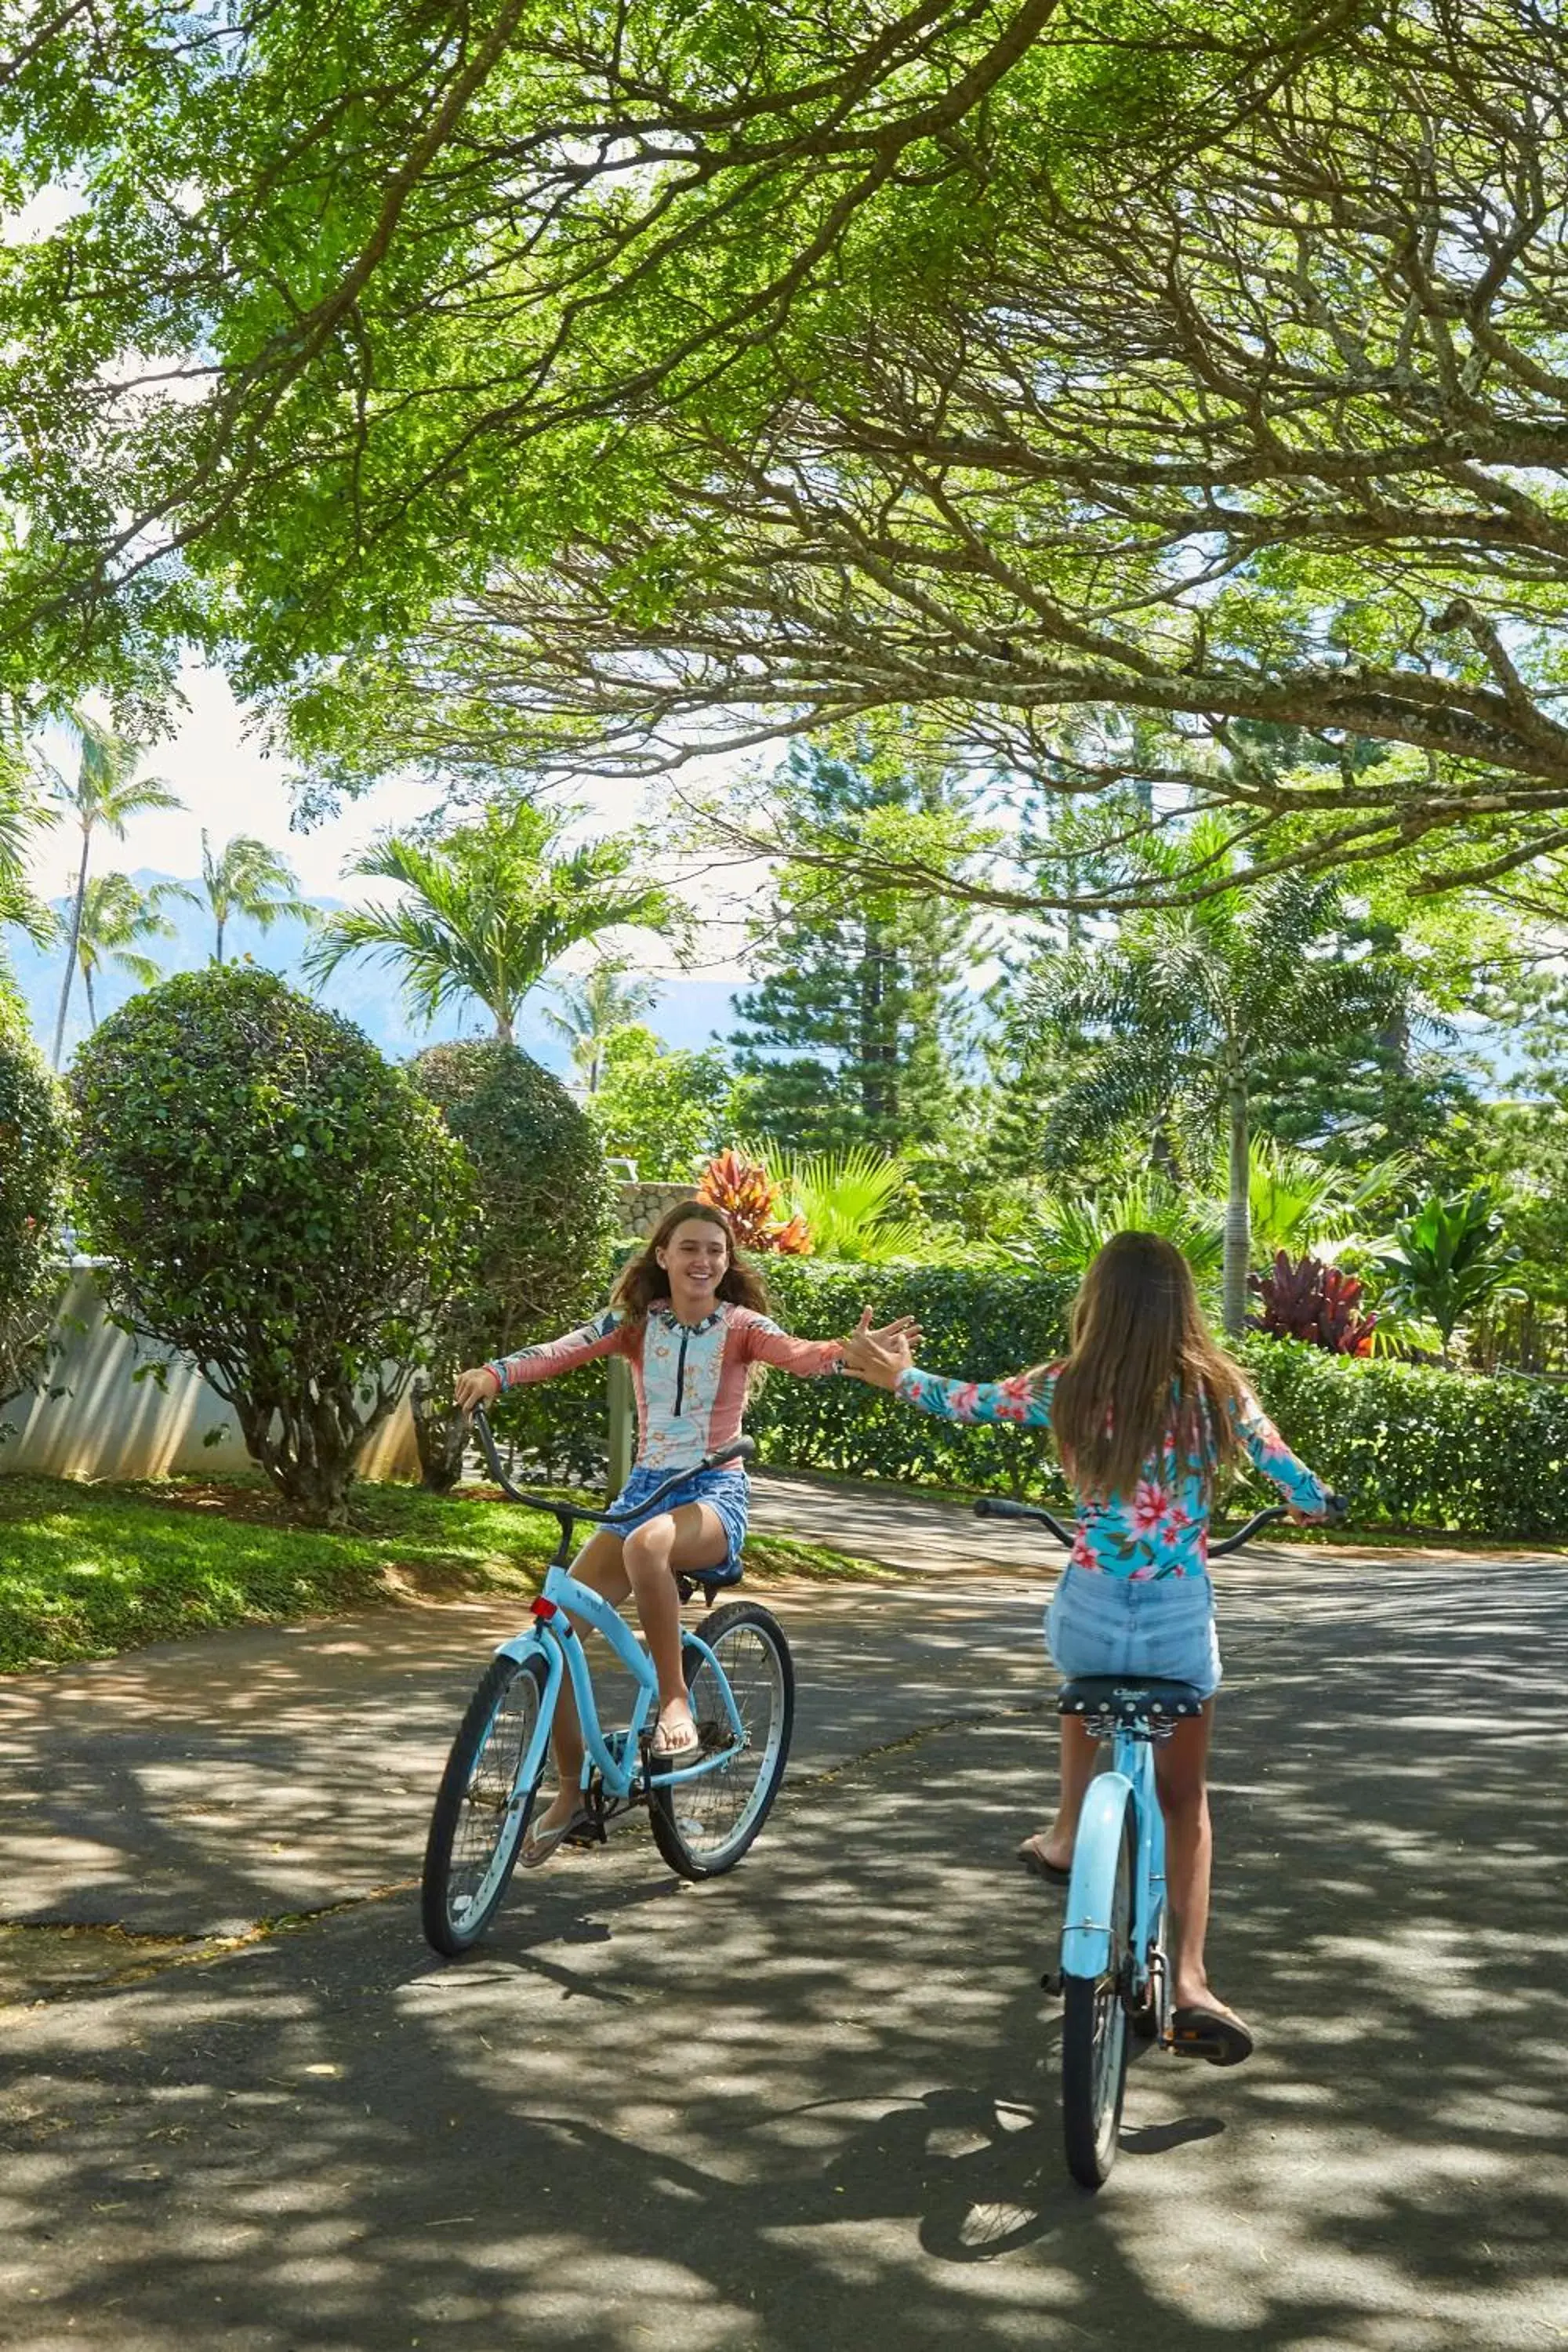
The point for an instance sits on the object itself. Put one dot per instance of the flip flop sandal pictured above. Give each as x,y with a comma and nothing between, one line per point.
665,1749
1208,2034
1035,1861
538,1850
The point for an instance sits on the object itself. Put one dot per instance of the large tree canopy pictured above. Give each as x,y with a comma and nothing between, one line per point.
1100,379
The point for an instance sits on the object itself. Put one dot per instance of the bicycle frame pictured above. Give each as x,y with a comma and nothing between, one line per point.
553,1637
1086,1936
614,1754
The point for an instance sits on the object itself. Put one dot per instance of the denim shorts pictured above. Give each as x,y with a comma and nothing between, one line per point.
727,1492
1100,1624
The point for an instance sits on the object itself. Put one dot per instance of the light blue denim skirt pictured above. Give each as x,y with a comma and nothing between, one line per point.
727,1492
1100,1624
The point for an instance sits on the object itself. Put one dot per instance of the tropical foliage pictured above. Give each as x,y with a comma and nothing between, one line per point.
488,906
106,792
662,1109
751,1200
33,1143
1302,1299
1449,1259
588,1015
247,877
113,923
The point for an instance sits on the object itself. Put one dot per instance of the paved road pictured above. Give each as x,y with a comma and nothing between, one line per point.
811,2106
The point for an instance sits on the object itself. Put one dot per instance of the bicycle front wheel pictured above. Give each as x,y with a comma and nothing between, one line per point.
704,1825
1094,2037
481,1813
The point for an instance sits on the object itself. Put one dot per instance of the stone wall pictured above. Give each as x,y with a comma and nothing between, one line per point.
642,1206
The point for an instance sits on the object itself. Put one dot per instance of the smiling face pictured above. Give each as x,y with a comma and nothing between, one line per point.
696,1257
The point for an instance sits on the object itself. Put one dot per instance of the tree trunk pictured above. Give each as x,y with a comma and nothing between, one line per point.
441,1435
1238,1212
91,1010
72,943
503,1029
218,944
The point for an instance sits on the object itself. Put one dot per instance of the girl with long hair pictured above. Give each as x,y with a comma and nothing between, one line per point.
1146,1409
691,1318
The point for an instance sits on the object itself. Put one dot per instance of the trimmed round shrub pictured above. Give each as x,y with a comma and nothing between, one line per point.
547,1221
33,1137
281,1205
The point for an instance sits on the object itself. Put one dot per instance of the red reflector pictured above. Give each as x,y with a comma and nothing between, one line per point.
542,1607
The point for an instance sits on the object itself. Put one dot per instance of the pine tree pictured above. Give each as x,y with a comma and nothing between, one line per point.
857,1027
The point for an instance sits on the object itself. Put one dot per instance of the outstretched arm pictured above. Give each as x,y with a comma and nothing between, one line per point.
1025,1399
602,1337
887,1361
1303,1488
767,1343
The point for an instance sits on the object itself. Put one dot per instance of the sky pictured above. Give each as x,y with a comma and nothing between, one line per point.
230,785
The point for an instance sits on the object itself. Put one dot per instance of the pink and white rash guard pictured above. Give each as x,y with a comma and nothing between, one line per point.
689,1378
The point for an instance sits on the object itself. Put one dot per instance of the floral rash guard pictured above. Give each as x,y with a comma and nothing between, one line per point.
1162,1528
689,1378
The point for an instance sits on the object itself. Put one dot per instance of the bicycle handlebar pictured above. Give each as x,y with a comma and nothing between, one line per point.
995,1506
741,1450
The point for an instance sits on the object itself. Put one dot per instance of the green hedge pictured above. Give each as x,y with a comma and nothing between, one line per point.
978,1325
1479,1455
1415,1447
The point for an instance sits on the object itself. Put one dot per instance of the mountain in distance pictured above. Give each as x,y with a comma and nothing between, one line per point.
690,1012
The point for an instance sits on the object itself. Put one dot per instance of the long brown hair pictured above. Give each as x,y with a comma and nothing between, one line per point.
642,1280
1144,1364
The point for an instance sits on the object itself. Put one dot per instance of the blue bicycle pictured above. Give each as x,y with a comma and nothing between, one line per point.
1113,1977
704,1816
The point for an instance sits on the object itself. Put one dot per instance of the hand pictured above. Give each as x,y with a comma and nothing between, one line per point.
476,1386
879,1357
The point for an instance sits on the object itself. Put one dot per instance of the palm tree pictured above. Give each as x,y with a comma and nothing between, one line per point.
1193,1001
106,793
246,878
597,1008
489,908
115,916
21,815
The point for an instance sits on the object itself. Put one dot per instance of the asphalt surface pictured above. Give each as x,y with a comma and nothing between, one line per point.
813,2103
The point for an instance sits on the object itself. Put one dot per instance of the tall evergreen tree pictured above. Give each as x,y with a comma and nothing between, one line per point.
855,1030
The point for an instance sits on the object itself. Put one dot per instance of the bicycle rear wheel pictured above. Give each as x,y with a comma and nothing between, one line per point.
1094,2037
482,1813
703,1826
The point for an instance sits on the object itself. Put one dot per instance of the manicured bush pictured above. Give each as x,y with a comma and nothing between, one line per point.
1418,1446
32,1174
280,1205
547,1219
978,1324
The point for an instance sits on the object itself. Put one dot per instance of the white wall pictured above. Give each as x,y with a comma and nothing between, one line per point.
107,1424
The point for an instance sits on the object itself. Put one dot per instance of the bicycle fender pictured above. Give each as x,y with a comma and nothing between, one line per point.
526,1644
1086,1937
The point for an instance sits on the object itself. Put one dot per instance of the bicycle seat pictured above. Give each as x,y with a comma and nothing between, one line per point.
1127,1700
707,1585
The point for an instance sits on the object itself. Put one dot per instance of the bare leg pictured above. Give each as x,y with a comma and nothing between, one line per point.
1053,1845
691,1537
645,1563
1181,1772
602,1568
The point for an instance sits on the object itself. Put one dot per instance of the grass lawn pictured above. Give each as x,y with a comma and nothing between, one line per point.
85,1570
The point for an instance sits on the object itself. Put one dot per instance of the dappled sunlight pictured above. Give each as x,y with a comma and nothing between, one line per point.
816,2103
